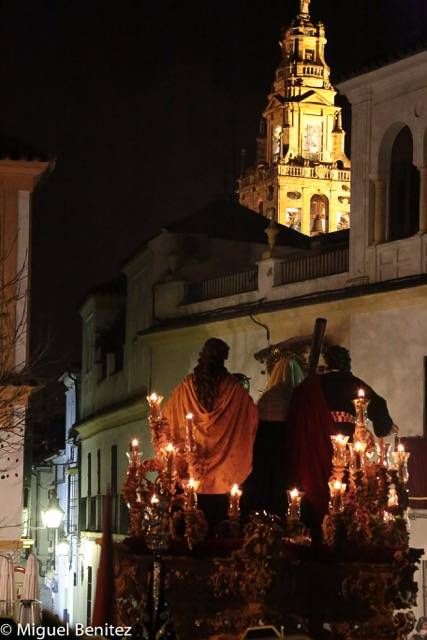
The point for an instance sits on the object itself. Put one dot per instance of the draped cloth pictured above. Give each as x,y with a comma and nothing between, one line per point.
309,445
104,608
225,435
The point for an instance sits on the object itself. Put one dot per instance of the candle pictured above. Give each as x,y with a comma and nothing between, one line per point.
337,490
134,452
360,404
234,502
154,499
294,503
170,458
154,401
359,448
392,498
189,435
191,493
339,443
400,460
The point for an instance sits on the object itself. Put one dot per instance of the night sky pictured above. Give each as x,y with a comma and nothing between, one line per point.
145,106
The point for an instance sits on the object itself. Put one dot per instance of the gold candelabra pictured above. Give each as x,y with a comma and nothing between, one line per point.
372,506
161,493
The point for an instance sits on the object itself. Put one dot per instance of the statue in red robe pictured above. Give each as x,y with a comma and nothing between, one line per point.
225,421
321,406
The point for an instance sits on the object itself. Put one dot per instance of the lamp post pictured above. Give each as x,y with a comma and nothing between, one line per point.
53,515
52,518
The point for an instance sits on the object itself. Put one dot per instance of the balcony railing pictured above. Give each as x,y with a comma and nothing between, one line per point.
315,266
92,519
228,285
82,514
91,512
325,172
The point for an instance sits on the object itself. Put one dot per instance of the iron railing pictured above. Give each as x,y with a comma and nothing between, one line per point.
227,285
82,514
314,266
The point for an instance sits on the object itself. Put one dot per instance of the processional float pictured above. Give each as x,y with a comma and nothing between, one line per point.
173,583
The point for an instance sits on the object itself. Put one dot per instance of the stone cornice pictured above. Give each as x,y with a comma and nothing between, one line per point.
113,416
267,306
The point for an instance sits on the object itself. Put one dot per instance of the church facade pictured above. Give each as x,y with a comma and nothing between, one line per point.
301,177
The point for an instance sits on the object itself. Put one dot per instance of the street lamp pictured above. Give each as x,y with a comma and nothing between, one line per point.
53,515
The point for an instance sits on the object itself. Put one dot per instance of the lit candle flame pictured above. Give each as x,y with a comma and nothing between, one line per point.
169,448
193,484
154,499
341,439
337,485
134,443
400,448
153,397
235,491
294,493
189,416
359,446
361,393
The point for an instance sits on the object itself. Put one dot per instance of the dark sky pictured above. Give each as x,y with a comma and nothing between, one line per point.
145,106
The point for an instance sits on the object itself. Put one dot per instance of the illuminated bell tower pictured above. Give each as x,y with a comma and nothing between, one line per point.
302,175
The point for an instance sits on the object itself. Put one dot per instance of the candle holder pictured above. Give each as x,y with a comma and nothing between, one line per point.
155,421
191,494
339,455
392,498
168,478
361,406
383,450
134,455
357,461
400,463
234,503
296,531
157,523
294,503
189,432
195,522
337,490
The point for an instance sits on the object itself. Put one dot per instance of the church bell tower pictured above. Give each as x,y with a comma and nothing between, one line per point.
302,175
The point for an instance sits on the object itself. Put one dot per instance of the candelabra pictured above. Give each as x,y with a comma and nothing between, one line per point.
372,508
162,502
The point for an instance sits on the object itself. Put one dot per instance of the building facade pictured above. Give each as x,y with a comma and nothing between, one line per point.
57,474
212,274
18,179
302,175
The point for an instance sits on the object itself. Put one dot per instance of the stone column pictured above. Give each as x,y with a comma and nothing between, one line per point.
305,211
379,211
423,200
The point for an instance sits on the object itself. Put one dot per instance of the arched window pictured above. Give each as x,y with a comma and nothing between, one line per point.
319,215
404,188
